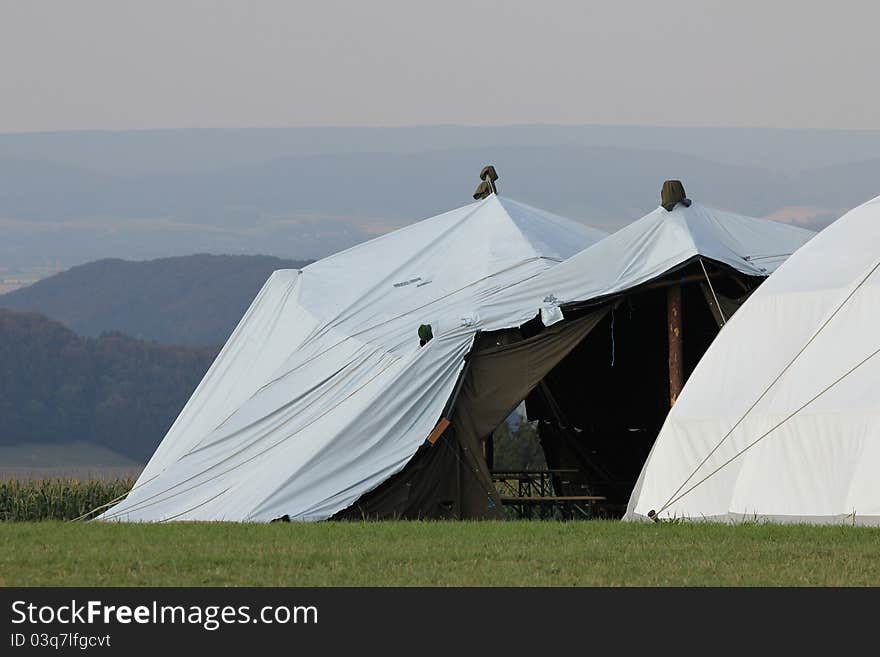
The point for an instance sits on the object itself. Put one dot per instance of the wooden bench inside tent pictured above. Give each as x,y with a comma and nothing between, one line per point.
530,492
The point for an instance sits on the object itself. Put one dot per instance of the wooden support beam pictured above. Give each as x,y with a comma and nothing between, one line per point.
676,351
684,280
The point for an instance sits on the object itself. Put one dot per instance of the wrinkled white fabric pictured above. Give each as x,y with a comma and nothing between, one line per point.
647,248
322,391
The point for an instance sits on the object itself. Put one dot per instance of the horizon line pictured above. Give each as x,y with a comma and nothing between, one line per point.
417,126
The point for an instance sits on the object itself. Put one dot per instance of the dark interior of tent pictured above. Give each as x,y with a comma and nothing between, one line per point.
598,386
601,407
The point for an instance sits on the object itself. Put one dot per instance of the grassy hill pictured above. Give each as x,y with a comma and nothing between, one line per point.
190,300
118,392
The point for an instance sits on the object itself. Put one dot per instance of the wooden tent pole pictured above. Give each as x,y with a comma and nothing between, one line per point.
676,352
489,451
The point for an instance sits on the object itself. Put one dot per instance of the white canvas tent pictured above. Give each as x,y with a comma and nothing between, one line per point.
323,392
322,397
781,418
603,404
655,245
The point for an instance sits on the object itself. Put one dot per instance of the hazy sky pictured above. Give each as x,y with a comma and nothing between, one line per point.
119,64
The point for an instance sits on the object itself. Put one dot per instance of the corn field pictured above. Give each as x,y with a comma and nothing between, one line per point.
56,499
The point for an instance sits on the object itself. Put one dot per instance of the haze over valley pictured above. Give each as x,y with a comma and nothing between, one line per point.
67,198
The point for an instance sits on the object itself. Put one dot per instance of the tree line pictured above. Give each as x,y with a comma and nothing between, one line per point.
114,390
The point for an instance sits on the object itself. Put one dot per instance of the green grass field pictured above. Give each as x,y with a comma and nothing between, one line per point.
432,554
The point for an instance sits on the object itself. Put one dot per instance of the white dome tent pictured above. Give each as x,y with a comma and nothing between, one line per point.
780,420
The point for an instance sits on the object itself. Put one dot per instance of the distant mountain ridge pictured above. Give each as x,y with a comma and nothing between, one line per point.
200,150
285,195
57,387
68,198
189,300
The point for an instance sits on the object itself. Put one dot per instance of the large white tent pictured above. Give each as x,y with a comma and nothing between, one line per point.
323,392
781,418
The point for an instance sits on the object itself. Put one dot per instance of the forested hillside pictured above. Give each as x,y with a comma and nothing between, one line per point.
189,300
58,387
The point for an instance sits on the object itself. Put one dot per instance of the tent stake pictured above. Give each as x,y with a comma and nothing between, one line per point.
674,326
